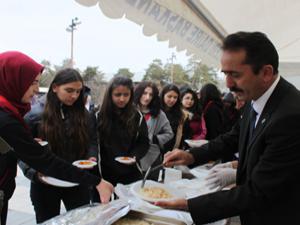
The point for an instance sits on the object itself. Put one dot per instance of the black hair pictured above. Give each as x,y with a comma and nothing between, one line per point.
52,128
176,110
195,109
108,109
154,105
259,49
210,92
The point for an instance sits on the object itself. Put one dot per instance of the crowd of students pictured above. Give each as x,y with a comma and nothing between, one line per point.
137,122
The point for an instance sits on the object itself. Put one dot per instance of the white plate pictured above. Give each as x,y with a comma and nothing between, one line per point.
43,143
136,190
58,183
196,143
125,160
84,164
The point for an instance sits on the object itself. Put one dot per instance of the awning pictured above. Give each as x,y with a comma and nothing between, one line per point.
277,18
182,23
199,26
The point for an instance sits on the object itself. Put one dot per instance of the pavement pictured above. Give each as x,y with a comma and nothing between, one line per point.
20,209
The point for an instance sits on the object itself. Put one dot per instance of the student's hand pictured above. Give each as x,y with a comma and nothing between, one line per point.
39,177
94,159
178,157
38,139
105,190
174,204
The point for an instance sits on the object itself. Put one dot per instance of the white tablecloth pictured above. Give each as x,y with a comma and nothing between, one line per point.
191,188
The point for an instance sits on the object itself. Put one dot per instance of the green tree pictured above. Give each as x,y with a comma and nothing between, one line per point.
66,63
93,78
176,74
201,74
48,74
92,74
125,72
155,72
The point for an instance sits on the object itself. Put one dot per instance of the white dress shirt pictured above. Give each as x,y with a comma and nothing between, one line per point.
260,103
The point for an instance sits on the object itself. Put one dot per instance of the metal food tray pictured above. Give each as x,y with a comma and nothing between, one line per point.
155,220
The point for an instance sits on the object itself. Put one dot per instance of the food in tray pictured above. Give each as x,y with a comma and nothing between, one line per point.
132,221
155,192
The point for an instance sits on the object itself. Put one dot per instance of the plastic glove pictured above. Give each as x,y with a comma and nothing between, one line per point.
220,178
223,165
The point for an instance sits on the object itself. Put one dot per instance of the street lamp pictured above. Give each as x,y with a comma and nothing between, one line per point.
75,22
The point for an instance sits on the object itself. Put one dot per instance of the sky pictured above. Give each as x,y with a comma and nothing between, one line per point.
38,28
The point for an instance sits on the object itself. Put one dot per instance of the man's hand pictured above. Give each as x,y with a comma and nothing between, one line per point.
178,157
105,190
221,177
174,204
222,165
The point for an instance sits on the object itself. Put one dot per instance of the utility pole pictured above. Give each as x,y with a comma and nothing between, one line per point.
75,22
196,65
172,69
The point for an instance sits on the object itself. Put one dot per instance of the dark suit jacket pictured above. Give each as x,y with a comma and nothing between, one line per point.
268,187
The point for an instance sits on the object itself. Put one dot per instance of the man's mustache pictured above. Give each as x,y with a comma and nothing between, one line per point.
235,89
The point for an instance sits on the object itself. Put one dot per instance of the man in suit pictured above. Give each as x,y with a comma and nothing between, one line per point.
267,137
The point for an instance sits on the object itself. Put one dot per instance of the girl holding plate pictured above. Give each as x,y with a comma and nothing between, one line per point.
123,133
160,132
65,124
19,82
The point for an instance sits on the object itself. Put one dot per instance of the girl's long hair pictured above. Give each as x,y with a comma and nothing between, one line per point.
109,111
210,92
53,128
154,105
176,110
195,109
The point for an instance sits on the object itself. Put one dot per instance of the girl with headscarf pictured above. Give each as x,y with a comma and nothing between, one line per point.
19,82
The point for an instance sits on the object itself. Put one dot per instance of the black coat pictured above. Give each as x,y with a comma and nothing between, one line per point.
70,151
186,131
29,151
121,143
214,119
267,190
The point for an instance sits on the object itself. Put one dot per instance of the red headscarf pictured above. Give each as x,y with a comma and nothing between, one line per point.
17,73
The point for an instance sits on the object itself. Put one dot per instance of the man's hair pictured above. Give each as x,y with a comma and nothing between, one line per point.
259,49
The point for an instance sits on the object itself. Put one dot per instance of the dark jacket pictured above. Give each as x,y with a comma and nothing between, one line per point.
186,131
28,150
267,190
214,121
121,143
70,151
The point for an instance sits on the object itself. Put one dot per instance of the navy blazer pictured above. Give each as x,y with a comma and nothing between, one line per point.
268,187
